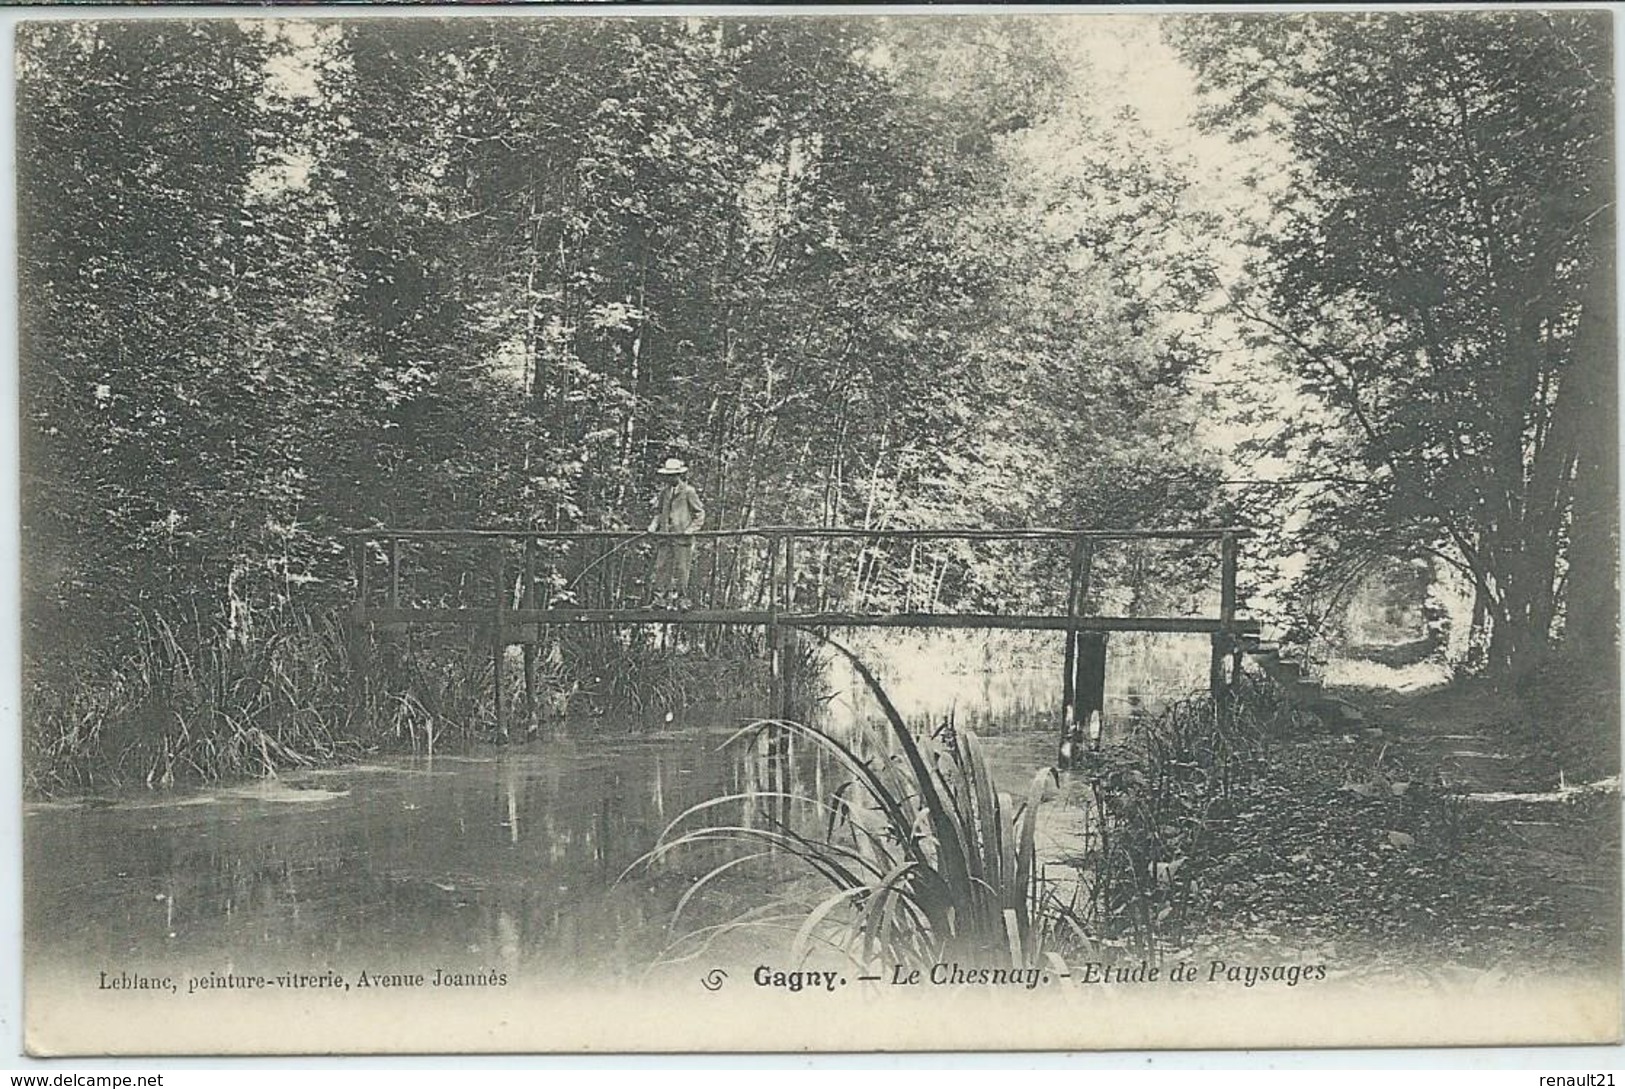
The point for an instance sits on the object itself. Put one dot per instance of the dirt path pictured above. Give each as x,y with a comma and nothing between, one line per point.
1538,835
1461,734
1425,830
1475,743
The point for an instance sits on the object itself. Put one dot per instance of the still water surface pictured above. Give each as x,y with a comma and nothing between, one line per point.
501,858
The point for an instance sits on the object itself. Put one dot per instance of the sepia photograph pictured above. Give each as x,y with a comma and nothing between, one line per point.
665,531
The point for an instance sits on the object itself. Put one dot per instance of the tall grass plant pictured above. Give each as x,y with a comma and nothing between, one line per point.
920,857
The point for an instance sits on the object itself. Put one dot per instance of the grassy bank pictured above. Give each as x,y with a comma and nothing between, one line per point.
198,699
1435,838
247,694
1251,833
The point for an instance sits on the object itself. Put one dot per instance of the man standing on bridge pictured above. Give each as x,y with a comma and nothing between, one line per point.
677,510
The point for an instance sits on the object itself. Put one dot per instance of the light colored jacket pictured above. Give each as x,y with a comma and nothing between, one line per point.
678,509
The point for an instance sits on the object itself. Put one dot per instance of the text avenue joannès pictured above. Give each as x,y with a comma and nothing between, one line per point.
298,981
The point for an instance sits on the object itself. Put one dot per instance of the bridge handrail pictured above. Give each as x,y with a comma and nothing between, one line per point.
507,624
826,532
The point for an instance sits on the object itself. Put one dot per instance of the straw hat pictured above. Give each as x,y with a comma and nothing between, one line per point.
673,467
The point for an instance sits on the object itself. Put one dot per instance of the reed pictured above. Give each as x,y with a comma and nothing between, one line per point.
1156,799
245,692
195,699
251,689
920,857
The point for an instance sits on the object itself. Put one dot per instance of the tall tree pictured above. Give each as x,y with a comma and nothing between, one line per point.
1433,277
138,250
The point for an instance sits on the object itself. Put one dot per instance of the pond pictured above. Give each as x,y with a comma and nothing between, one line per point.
496,859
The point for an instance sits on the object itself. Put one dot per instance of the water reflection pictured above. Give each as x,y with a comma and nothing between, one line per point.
505,859
997,682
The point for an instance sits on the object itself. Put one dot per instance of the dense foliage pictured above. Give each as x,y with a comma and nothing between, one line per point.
1437,271
287,278
283,279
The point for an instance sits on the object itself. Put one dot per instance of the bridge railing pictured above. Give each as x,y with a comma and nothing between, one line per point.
1036,578
512,584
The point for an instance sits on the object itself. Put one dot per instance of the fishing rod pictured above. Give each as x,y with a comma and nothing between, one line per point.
606,555
585,571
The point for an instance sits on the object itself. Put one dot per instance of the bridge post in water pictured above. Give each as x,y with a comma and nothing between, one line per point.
1224,640
356,626
532,637
774,680
394,573
1069,656
1089,686
498,647
790,644
1083,669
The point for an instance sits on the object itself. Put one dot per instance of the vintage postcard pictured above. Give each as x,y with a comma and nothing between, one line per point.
668,531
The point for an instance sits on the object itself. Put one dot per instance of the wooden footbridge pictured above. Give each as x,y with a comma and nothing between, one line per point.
512,585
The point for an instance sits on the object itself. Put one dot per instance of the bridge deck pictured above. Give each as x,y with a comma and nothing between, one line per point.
1016,621
768,554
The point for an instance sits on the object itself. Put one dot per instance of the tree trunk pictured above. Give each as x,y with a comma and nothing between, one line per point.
1528,562
1591,623
1478,634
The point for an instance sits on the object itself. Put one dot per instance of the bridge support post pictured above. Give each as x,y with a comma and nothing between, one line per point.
532,637
499,646
1083,669
1089,684
394,573
1221,680
1069,658
360,648
774,636
1069,692
789,639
